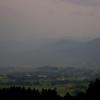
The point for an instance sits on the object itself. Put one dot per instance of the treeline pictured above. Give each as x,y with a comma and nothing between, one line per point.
12,93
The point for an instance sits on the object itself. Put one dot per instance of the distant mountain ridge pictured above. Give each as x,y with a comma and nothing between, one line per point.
75,53
64,53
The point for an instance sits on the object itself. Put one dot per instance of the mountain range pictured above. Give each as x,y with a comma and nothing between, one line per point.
63,52
74,53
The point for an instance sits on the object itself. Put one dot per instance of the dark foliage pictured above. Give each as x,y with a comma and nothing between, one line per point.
12,93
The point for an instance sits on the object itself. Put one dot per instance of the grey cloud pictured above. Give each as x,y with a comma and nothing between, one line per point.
85,2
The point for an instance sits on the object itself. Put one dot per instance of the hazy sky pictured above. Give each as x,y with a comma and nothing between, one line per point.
25,24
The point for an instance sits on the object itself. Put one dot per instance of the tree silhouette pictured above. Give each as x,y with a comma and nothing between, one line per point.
93,90
12,93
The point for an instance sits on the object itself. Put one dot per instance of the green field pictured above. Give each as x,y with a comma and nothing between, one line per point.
72,87
62,89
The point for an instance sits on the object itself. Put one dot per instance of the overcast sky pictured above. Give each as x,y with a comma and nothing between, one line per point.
27,23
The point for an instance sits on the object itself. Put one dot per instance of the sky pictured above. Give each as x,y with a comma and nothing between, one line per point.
26,25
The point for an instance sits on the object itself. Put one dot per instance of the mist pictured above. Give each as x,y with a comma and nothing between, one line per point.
28,29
